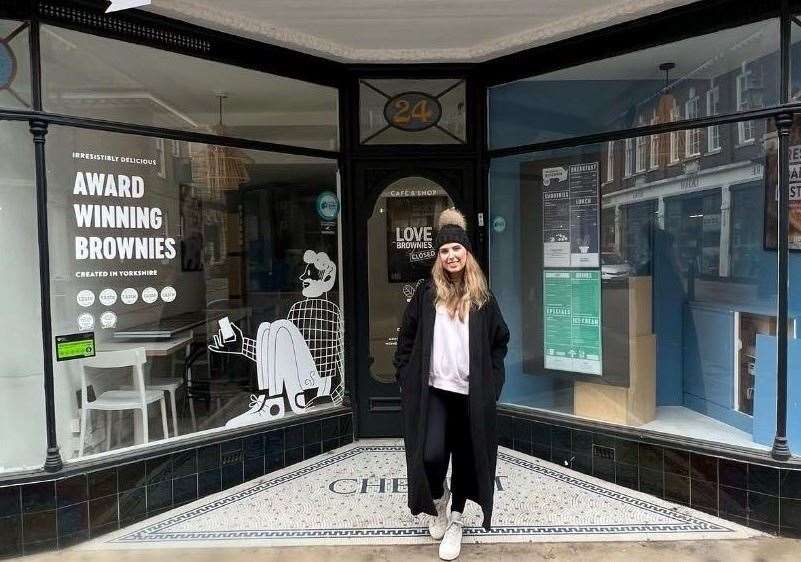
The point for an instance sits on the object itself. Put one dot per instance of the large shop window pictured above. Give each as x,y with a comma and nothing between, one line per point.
664,319
103,78
15,65
22,418
208,277
740,66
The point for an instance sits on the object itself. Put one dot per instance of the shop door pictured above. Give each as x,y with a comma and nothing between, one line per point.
396,250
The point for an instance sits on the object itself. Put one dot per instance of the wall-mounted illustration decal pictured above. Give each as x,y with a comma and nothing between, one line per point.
298,359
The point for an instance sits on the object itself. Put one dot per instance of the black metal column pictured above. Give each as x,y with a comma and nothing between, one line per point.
38,129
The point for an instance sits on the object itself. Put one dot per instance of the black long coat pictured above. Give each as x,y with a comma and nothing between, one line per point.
488,339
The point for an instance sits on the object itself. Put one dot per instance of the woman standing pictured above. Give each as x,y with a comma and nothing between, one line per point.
449,363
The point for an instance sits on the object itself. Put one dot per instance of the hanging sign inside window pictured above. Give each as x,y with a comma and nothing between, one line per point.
75,346
572,320
794,189
413,111
570,207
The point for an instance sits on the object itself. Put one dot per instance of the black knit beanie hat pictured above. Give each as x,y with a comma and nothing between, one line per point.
452,228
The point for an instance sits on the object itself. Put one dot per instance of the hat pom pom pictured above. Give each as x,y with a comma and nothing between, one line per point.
452,216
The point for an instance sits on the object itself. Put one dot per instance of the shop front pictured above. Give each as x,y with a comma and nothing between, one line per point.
208,244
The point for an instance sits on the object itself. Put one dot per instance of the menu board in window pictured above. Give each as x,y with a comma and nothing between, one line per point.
570,207
572,320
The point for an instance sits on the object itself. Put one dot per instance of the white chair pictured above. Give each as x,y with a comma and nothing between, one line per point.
170,385
119,400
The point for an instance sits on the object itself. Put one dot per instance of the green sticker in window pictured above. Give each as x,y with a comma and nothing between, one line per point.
75,346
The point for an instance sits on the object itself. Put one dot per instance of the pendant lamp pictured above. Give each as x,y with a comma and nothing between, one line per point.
215,168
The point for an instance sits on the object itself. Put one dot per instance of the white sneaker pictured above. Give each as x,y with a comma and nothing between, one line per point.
438,524
451,544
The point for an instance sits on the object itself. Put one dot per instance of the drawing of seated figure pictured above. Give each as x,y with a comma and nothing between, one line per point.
299,357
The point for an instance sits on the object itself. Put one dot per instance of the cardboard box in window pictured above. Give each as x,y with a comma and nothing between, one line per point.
634,405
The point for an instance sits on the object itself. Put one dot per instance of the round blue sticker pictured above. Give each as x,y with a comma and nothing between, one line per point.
499,224
8,65
327,205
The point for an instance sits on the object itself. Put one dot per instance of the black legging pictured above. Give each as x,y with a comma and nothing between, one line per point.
448,433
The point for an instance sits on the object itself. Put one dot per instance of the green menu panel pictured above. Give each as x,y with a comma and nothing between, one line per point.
572,320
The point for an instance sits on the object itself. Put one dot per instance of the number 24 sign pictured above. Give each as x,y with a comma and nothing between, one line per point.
412,111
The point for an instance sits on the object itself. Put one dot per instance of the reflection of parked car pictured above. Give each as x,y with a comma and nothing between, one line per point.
613,266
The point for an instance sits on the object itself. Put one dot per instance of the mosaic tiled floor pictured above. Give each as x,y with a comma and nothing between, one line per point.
356,495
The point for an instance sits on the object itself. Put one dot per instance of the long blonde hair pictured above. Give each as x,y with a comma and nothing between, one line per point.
470,289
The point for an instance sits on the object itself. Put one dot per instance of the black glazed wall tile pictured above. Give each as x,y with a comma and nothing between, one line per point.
208,482
208,458
95,532
764,527
677,488
626,452
330,428
133,504
293,437
677,462
345,439
763,508
790,513
603,469
184,490
506,431
40,496
790,532
541,451
733,474
159,496
704,468
274,440
345,425
254,446
132,475
603,440
312,432
561,457
10,501
274,461
292,456
159,469
227,448
39,547
73,519
184,463
70,491
523,446
330,444
11,535
581,443
39,526
763,479
651,457
790,486
627,475
704,496
254,468
582,463
232,475
312,450
521,430
560,438
733,502
66,541
102,511
102,483
652,482
541,434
